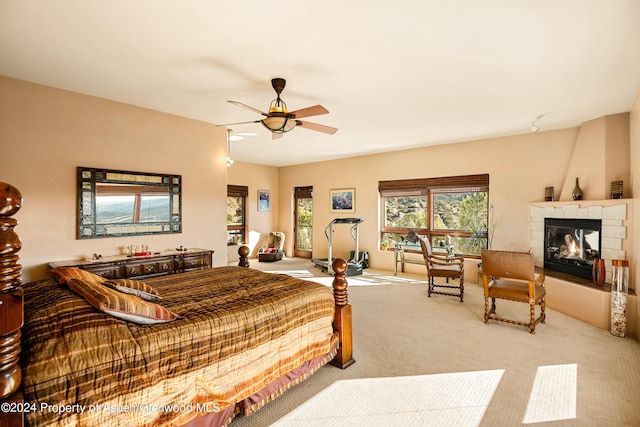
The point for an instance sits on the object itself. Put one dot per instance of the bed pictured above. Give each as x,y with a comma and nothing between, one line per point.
240,338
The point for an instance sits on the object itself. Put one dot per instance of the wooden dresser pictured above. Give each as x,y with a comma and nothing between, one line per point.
139,267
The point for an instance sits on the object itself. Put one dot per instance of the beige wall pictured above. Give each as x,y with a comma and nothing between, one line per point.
617,167
520,167
600,156
46,133
635,190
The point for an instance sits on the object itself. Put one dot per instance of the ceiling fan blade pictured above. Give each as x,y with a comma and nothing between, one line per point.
239,123
315,126
275,136
240,104
316,110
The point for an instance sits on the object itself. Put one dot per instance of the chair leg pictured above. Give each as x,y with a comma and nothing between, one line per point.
431,283
532,317
543,305
486,310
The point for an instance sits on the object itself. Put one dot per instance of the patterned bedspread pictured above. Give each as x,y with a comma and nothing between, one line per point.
239,330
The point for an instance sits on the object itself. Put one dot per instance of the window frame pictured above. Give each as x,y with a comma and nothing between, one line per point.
429,187
240,191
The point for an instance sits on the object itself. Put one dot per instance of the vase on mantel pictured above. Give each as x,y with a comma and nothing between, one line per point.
577,191
599,272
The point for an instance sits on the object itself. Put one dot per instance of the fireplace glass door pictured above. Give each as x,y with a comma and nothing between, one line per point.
571,245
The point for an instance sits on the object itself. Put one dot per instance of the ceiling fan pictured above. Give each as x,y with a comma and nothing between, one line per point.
280,120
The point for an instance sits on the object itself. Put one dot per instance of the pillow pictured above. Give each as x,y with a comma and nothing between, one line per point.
134,287
63,274
122,306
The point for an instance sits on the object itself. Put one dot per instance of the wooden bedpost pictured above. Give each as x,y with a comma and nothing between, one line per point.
342,316
11,304
243,251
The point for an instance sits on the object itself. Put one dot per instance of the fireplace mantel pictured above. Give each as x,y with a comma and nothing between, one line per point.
568,294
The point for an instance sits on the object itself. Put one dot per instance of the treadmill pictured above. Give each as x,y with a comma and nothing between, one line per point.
354,266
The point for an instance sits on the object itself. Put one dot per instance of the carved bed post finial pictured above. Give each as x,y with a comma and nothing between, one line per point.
11,299
342,316
340,282
243,251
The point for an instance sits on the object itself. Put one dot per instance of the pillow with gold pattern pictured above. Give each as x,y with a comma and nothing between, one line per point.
62,275
134,287
120,305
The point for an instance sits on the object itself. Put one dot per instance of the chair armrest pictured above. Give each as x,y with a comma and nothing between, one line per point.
447,257
540,280
446,261
451,263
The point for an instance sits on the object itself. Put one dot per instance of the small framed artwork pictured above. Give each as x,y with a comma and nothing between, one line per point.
264,200
343,201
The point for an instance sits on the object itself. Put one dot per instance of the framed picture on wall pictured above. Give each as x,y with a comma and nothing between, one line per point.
343,200
264,200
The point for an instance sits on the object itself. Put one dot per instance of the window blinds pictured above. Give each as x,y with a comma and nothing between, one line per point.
452,184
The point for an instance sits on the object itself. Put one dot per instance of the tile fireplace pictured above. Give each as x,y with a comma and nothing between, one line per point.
613,239
572,245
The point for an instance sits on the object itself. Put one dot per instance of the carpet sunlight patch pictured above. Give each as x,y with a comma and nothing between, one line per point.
351,281
459,399
554,393
301,274
390,280
365,279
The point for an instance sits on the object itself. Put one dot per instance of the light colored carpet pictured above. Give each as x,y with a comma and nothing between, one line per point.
433,361
553,395
456,399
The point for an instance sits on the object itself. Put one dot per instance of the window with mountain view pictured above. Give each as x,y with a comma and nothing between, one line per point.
451,212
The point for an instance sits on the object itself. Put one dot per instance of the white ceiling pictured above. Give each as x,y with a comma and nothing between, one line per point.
393,75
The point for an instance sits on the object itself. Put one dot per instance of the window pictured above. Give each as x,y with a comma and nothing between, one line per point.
236,213
451,212
303,214
116,204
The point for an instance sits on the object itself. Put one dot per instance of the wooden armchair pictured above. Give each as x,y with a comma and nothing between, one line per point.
448,267
511,276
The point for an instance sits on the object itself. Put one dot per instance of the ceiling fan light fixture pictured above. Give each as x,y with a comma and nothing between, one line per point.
279,123
279,120
278,106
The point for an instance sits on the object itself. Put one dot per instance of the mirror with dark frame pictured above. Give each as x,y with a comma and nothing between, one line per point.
113,203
